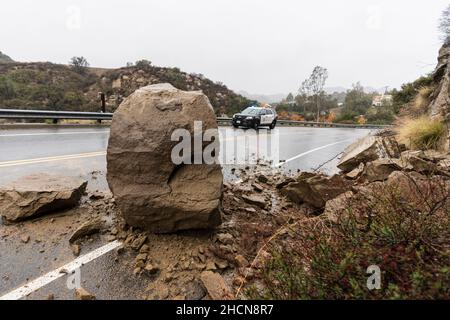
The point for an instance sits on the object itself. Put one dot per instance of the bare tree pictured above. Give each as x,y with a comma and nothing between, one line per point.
444,25
305,91
79,64
316,82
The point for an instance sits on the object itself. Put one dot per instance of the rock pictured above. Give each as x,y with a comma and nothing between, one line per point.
439,106
150,190
138,242
25,239
225,238
257,187
355,173
86,229
159,291
262,178
76,249
211,266
421,165
241,261
256,200
39,194
215,286
335,206
82,294
195,290
151,269
142,257
368,149
144,249
315,189
380,169
284,182
222,264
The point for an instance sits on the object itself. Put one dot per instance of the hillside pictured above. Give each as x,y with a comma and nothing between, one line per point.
4,58
59,87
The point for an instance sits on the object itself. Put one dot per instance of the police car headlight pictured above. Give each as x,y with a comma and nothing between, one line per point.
249,118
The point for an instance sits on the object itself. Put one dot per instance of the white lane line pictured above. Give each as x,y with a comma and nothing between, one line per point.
51,133
310,151
40,282
51,159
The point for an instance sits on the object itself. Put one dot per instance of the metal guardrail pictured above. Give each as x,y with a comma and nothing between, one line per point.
100,116
53,115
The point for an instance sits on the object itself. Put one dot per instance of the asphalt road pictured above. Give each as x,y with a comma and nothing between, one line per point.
81,152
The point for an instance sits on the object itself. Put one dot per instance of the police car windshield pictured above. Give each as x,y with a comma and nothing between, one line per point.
251,111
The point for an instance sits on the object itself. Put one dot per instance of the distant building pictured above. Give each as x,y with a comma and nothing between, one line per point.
383,99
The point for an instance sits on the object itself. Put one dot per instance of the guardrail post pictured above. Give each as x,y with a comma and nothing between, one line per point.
103,106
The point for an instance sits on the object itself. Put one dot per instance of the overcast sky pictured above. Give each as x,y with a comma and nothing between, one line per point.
260,46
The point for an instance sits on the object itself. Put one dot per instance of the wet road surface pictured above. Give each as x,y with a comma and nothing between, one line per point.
81,152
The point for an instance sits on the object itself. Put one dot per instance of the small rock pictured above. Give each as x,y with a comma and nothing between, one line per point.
110,238
284,183
151,269
76,249
158,291
82,294
25,239
262,178
137,270
88,228
138,242
142,257
241,261
355,173
225,238
222,264
215,286
144,249
257,187
256,200
211,266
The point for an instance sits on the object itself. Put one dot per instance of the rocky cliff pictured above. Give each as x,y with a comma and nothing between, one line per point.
439,107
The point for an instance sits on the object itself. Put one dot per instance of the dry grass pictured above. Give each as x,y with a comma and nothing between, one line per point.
419,105
422,133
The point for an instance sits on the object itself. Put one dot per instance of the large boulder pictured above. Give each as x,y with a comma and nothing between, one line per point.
153,192
39,194
368,149
315,189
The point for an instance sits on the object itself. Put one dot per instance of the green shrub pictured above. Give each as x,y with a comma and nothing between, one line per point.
408,240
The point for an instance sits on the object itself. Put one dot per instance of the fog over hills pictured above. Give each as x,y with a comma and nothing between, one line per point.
277,97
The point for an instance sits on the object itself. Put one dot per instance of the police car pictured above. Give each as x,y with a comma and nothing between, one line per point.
255,117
